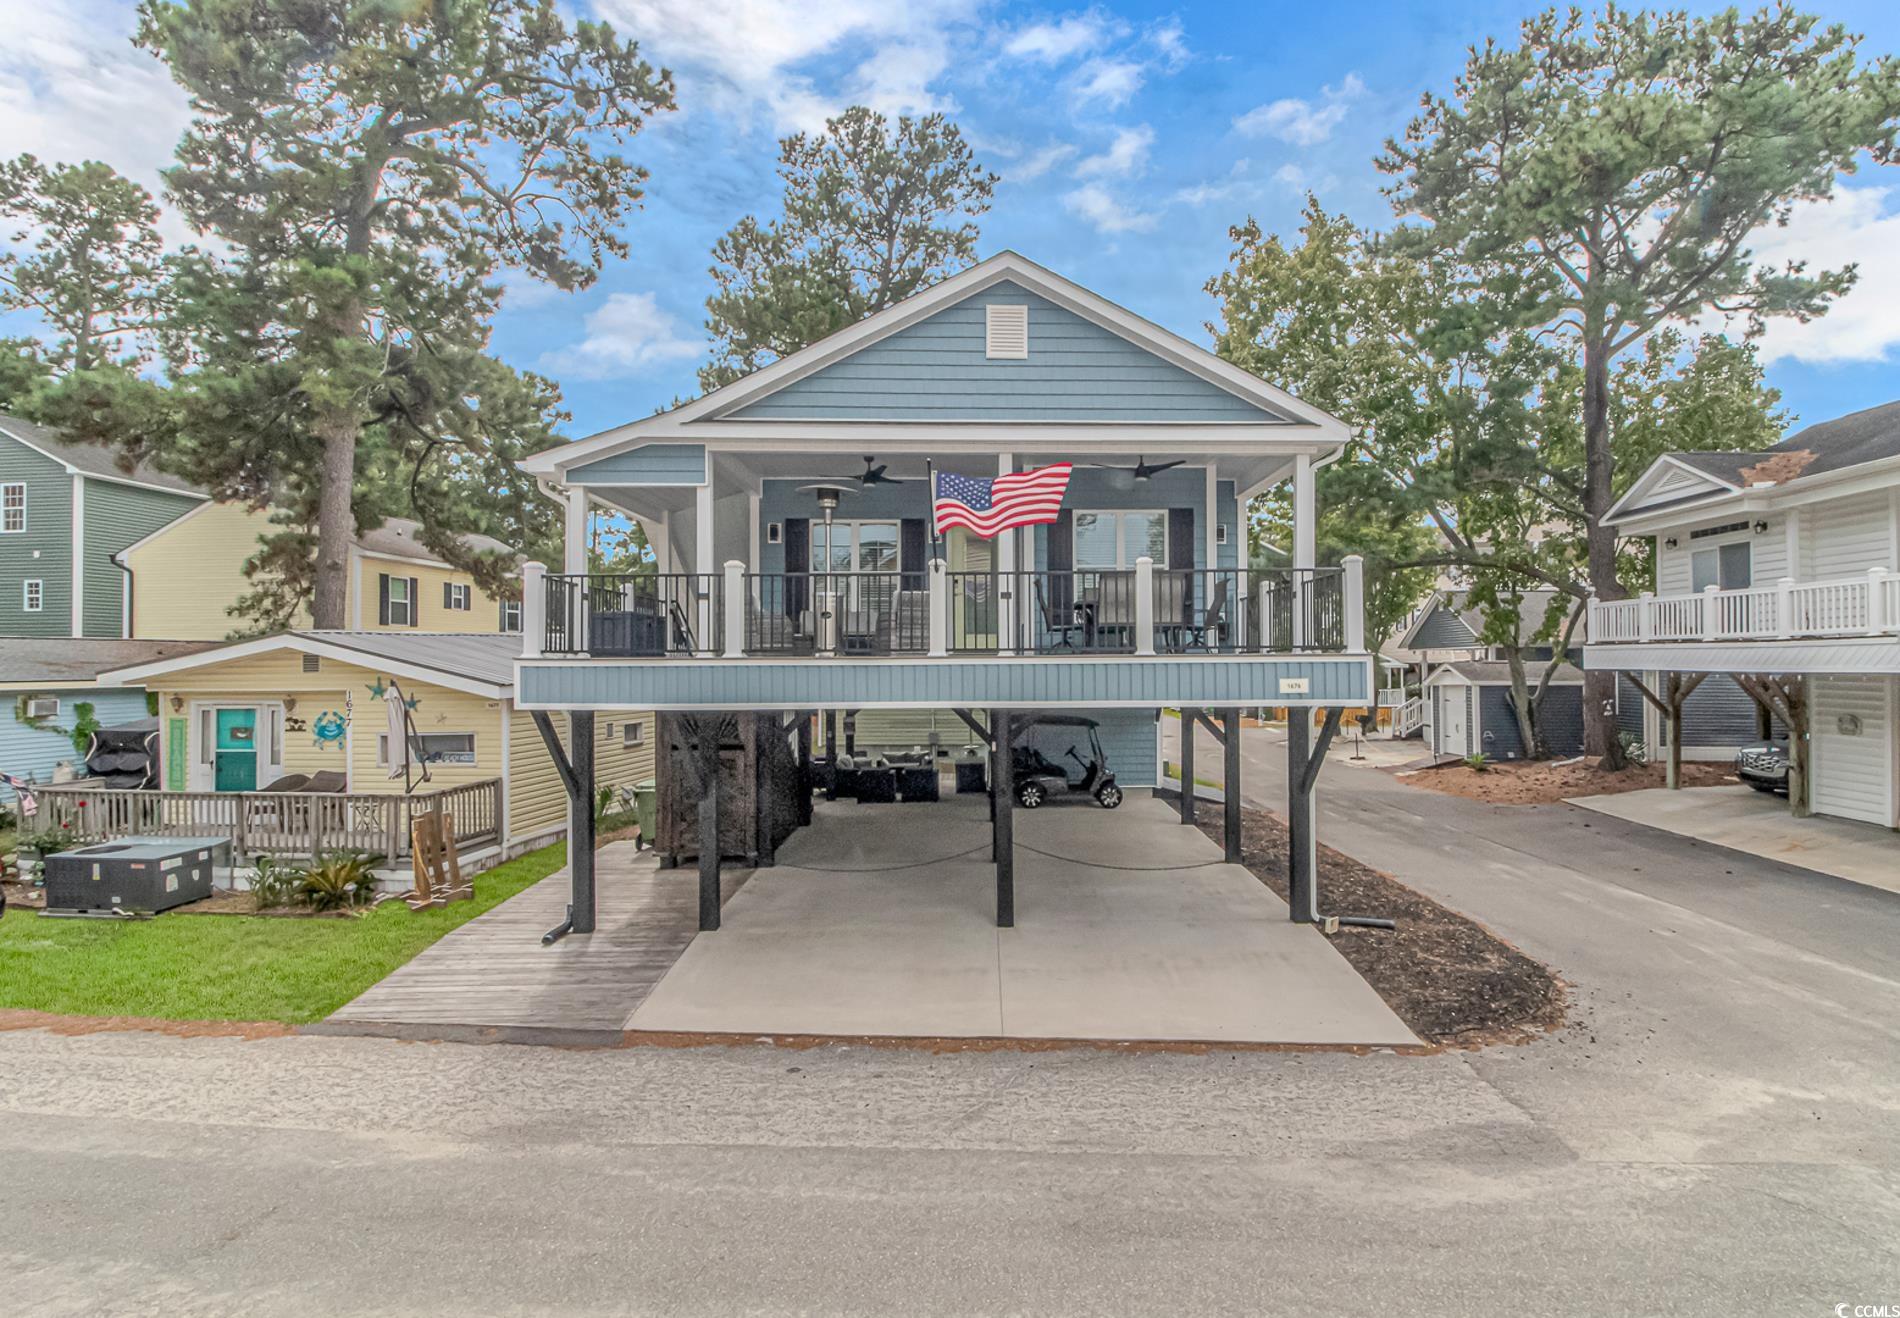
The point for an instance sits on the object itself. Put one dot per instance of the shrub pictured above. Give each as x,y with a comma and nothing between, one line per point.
1634,750
1478,762
341,880
274,884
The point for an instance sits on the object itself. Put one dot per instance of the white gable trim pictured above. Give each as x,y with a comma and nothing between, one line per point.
1311,423
139,674
1665,474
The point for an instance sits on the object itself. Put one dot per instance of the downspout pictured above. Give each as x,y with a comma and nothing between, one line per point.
125,594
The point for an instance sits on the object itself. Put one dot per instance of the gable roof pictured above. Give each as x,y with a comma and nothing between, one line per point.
480,663
1449,621
79,660
95,460
1495,672
700,416
401,537
1854,440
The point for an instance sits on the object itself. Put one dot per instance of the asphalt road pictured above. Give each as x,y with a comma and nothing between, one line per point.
1715,1134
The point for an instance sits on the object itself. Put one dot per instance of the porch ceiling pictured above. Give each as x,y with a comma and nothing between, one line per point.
736,472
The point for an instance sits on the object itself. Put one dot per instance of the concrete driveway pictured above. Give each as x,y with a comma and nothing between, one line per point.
1743,819
879,920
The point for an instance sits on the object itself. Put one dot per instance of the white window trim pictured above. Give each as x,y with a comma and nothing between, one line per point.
461,596
6,489
408,605
1715,545
511,615
1123,563
856,524
474,747
29,589
200,773
634,734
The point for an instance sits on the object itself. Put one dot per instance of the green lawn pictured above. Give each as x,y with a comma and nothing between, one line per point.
230,967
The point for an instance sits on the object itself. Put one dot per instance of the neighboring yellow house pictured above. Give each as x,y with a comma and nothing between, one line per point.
184,578
237,717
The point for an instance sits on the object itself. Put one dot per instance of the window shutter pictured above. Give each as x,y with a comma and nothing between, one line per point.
1059,558
913,551
448,595
415,602
797,560
1182,554
382,598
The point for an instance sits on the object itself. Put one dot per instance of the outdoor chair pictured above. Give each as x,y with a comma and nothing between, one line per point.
327,781
1058,634
290,782
1206,634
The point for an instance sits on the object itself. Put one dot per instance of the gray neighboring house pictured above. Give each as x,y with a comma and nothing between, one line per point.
1471,709
65,510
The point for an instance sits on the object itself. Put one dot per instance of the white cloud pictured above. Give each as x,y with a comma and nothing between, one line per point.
1067,37
1033,165
1237,183
1107,212
1127,154
1170,43
1859,226
735,55
1302,122
1293,176
73,87
626,334
1108,82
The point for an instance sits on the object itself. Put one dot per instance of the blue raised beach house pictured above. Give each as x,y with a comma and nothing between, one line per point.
798,578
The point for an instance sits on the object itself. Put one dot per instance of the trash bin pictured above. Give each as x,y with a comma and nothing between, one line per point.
646,811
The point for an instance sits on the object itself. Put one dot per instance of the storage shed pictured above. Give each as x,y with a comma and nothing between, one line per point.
1470,710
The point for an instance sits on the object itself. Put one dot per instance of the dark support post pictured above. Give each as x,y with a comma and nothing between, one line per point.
1302,906
1002,728
765,730
580,820
831,754
1187,764
708,748
804,770
1230,781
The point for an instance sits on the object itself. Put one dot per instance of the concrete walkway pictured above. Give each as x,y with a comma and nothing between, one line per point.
1743,819
879,920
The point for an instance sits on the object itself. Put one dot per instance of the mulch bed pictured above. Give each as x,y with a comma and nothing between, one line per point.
1451,980
1547,782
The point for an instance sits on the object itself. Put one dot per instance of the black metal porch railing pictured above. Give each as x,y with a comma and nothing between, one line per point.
836,613
1194,611
621,615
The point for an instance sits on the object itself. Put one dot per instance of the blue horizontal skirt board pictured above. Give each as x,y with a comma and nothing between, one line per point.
862,684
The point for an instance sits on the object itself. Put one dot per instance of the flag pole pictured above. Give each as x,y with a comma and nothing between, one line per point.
936,536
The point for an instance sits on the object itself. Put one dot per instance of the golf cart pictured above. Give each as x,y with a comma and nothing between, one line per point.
1037,777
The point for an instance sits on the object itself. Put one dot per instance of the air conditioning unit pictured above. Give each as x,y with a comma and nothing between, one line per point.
42,707
135,874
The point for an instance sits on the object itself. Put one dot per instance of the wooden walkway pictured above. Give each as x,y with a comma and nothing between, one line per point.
492,978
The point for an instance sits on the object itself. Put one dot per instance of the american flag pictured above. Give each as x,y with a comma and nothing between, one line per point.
1023,498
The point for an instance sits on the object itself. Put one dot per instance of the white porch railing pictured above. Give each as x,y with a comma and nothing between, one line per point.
1867,605
1408,717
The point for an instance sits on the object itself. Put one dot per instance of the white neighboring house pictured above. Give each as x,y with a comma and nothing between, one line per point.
1782,563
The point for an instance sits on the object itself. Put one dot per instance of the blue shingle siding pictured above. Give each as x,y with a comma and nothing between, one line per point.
851,684
936,370
1629,707
30,751
1720,713
1562,728
651,464
1444,630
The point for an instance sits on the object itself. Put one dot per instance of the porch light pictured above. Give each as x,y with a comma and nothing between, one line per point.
178,704
1671,542
1761,527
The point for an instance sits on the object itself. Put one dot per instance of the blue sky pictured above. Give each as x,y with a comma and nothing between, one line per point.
1129,137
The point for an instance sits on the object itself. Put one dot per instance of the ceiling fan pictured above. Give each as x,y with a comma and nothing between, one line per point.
873,473
1143,468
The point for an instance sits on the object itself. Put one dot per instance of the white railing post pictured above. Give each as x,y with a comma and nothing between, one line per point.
1711,605
1267,639
1355,568
1144,605
1646,616
735,609
1876,600
939,583
1784,608
534,609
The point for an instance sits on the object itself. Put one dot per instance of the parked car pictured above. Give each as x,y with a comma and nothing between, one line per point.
1764,767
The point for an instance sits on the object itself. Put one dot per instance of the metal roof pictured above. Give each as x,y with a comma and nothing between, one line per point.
479,656
1497,672
81,659
93,459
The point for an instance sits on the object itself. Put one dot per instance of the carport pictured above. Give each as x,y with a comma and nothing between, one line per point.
880,920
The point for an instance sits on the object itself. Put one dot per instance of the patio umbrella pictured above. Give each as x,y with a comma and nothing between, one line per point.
401,732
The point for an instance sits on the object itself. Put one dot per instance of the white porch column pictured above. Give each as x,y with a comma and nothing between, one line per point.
1355,571
1305,545
663,551
939,606
703,561
1007,585
1711,611
574,542
534,608
735,609
1645,616
1877,619
752,538
1145,616
1784,608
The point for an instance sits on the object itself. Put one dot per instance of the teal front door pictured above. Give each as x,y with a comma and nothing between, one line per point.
234,756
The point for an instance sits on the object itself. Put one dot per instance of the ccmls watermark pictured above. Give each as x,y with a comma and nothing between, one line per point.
1890,1309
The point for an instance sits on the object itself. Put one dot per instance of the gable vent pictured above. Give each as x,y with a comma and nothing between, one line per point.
311,663
1006,330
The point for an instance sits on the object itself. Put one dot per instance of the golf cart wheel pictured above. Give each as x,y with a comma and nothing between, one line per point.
1031,794
1109,795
